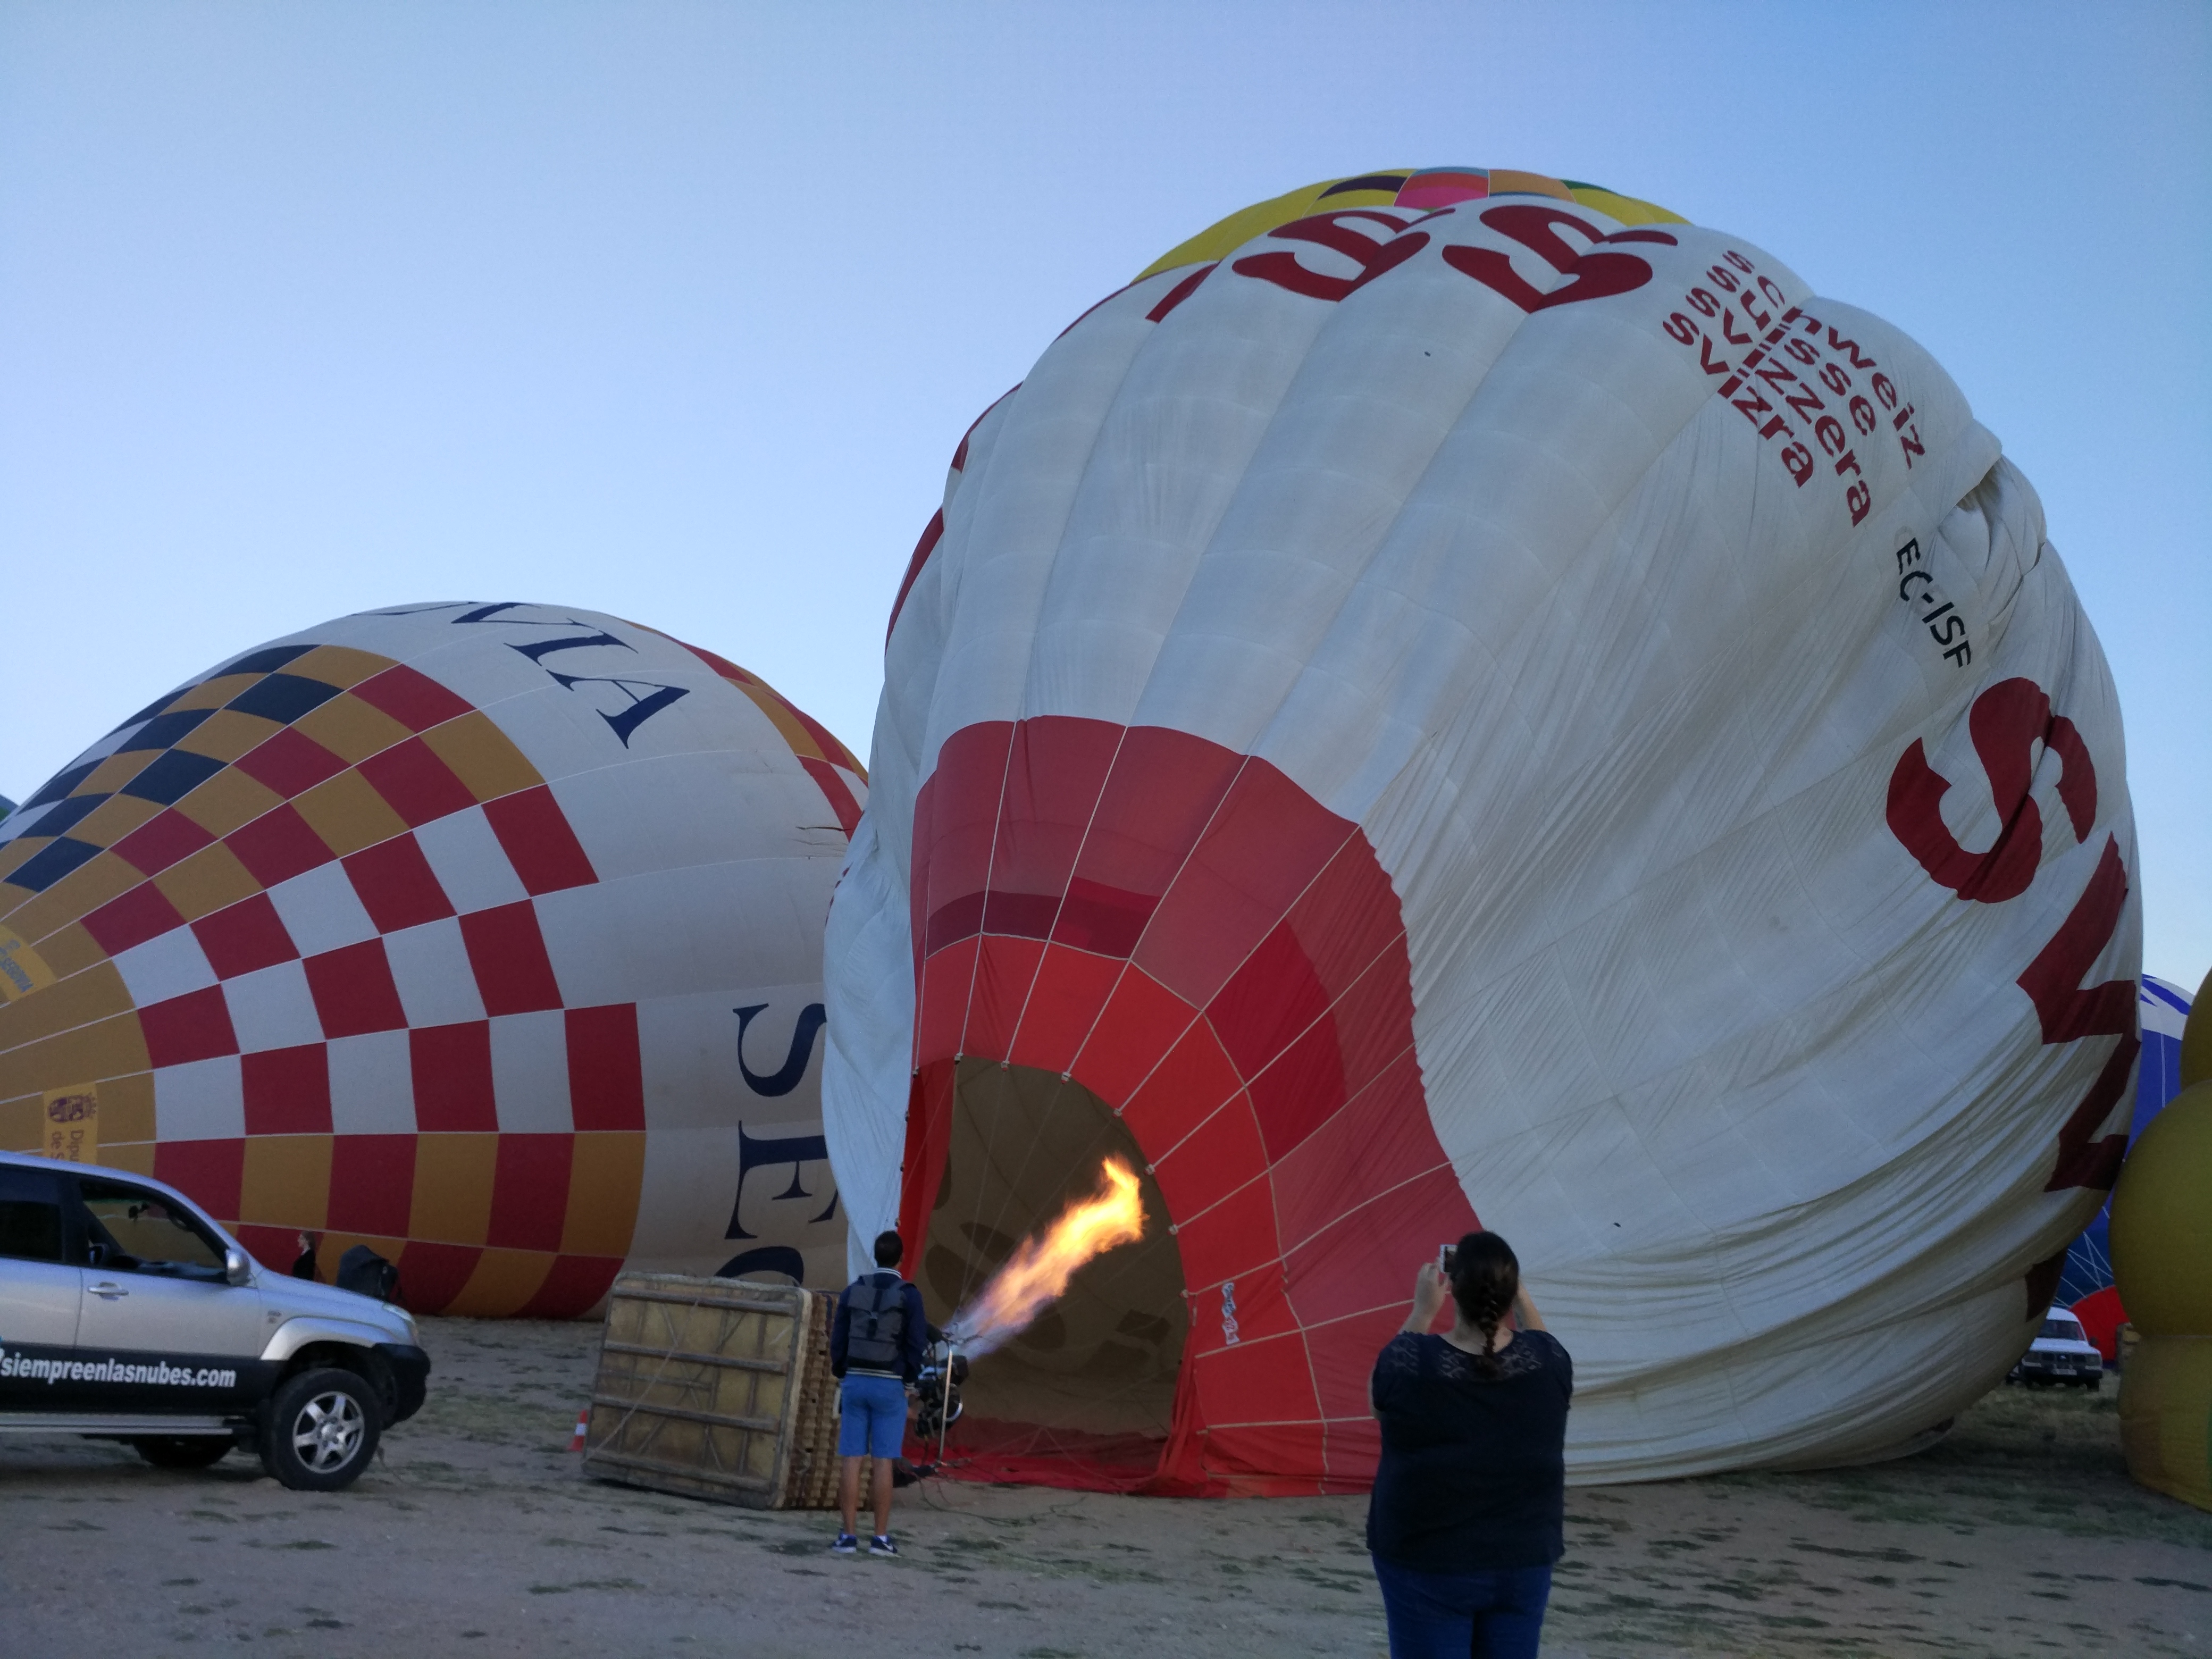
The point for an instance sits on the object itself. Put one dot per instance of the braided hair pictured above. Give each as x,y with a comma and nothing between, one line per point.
1486,1277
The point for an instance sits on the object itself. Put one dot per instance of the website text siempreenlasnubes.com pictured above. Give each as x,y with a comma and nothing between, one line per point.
111,1369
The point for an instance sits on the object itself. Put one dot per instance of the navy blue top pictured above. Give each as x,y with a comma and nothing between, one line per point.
1474,1469
914,1341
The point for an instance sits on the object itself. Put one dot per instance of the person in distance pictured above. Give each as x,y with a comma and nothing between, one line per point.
1465,1523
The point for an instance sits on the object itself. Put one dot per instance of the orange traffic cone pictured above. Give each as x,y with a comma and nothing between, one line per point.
583,1427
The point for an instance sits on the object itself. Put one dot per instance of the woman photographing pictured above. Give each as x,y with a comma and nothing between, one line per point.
1465,1522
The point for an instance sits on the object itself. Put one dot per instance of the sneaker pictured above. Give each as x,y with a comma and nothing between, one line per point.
881,1544
846,1544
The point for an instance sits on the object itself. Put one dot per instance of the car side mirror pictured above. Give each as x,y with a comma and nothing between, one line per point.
235,1270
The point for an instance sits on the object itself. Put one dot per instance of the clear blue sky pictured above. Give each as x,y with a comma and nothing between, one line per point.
677,310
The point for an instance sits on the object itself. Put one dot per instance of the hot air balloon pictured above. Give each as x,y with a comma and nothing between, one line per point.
1460,696
2161,1234
2086,1285
486,935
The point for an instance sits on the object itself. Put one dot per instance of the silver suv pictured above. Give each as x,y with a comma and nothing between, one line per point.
126,1314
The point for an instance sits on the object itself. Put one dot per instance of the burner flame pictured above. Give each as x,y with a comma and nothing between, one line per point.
1040,1267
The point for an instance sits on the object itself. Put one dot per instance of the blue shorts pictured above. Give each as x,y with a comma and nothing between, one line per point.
870,1416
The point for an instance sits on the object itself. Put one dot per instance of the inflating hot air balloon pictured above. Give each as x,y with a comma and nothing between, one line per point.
2161,1233
1457,696
487,935
2086,1285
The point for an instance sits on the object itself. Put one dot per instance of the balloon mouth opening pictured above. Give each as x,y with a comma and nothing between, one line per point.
1092,1376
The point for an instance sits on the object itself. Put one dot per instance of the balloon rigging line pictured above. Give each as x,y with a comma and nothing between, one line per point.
1351,1100
1190,852
990,869
1199,1015
1059,905
1283,1054
1013,1186
1128,962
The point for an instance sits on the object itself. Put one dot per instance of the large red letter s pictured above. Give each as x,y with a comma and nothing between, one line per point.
1339,233
2006,722
2006,719
1591,275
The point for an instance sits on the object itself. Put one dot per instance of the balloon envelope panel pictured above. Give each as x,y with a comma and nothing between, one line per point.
2086,1286
487,935
2161,1225
1458,694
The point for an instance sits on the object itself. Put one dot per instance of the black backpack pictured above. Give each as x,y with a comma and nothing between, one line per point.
876,1320
367,1274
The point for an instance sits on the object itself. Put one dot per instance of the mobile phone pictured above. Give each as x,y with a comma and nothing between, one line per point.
1447,1257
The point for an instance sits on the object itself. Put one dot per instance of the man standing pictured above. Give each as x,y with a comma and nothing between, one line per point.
875,1347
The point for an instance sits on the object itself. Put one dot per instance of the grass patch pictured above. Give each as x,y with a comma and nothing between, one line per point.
2045,1458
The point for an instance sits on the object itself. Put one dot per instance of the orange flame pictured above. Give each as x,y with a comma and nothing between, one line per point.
1040,1267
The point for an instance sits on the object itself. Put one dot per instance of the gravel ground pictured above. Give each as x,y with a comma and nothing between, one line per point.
474,1534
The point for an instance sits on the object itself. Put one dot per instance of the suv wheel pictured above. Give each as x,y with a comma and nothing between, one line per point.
323,1427
182,1451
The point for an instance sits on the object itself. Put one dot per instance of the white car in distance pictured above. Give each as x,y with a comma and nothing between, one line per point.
2062,1352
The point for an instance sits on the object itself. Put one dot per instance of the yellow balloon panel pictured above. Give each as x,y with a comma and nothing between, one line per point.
2161,1225
1426,188
2197,1038
2166,1416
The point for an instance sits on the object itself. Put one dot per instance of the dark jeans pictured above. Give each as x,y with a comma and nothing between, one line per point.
1497,1614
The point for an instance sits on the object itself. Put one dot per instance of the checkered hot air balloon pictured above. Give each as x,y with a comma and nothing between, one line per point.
1455,694
487,935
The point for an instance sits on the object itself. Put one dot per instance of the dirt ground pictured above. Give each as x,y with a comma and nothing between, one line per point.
477,1535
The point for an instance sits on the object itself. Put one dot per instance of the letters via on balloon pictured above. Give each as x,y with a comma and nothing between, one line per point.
628,706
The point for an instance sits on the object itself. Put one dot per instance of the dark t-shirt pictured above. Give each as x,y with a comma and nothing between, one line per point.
1473,1471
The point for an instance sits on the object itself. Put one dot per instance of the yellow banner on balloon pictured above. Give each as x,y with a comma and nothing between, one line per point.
23,971
72,1125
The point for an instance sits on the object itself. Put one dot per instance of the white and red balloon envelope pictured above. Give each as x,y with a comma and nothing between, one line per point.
1460,697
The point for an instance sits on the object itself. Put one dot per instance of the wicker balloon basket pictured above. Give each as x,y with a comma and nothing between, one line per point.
719,1388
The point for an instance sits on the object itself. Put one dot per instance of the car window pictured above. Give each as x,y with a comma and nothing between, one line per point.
144,1232
30,1215
2063,1330
30,1229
